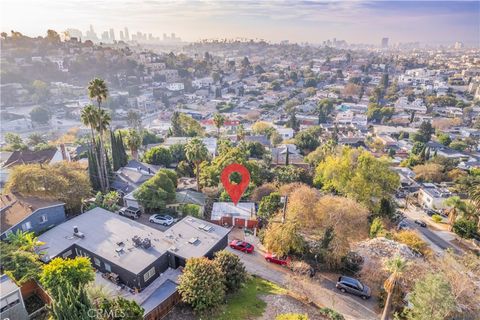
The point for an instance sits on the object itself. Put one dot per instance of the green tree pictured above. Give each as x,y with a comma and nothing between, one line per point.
358,174
432,299
256,149
269,205
40,115
293,122
120,308
35,139
59,273
158,156
307,140
158,191
376,228
324,109
71,303
196,152
178,152
396,267
218,120
201,284
133,140
444,139
26,241
233,269
89,117
98,91
134,120
183,125
465,228
425,131
18,264
14,141
456,206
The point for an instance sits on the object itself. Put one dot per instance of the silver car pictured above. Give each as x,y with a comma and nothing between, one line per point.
165,220
353,286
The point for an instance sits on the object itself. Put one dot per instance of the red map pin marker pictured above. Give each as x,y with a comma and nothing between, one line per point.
234,190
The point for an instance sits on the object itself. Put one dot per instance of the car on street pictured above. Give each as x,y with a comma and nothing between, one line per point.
273,258
403,225
165,220
130,212
242,246
420,223
353,286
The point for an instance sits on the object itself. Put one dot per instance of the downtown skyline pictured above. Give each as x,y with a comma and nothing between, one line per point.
432,22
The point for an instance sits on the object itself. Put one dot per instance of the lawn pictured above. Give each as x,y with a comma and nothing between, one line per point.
245,304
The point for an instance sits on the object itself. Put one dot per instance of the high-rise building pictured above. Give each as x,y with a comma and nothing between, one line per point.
384,42
458,45
112,35
127,35
105,36
121,35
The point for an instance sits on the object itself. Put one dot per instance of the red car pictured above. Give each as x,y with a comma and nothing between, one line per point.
242,246
271,257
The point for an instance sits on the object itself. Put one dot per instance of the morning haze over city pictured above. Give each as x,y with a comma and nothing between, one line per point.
239,160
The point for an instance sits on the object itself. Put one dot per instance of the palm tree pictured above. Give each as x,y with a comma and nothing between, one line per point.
26,241
103,122
89,117
456,205
240,132
196,152
218,120
475,197
395,266
97,89
133,141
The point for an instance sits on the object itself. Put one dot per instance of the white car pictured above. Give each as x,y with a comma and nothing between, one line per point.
161,219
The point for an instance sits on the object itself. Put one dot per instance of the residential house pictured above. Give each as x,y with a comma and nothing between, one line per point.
243,214
133,254
432,197
279,155
11,300
28,214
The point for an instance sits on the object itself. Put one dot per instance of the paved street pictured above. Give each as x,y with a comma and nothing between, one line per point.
321,289
437,239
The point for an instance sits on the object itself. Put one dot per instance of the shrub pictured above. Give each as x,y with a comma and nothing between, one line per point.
201,284
233,268
331,314
302,268
412,240
190,210
376,228
437,218
465,228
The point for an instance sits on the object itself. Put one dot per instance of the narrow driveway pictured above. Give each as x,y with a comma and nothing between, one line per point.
320,289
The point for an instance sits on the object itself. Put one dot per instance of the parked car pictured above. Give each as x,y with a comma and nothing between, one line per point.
420,223
242,246
353,286
165,220
403,225
430,212
130,212
273,258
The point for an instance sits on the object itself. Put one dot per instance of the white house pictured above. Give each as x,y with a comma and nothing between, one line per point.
432,197
285,133
203,82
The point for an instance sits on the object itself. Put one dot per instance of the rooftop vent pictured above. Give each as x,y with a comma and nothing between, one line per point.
137,241
119,250
207,228
77,233
193,240
173,248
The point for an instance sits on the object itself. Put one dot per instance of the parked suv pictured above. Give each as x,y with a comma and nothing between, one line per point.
130,212
353,286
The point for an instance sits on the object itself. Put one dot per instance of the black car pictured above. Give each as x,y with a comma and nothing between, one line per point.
353,286
420,223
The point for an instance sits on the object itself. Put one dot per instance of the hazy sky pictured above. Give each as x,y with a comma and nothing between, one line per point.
312,21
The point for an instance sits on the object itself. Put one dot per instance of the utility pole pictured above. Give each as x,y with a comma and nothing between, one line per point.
284,200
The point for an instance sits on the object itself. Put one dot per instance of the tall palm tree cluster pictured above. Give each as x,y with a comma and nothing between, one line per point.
98,119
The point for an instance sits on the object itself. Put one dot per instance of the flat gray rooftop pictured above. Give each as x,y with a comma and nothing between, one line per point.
103,230
181,235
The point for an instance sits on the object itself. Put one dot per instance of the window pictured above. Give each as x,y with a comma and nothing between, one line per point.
150,273
108,267
9,302
67,254
96,261
43,218
26,226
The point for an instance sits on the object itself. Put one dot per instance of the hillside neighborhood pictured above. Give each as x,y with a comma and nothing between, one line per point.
364,192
